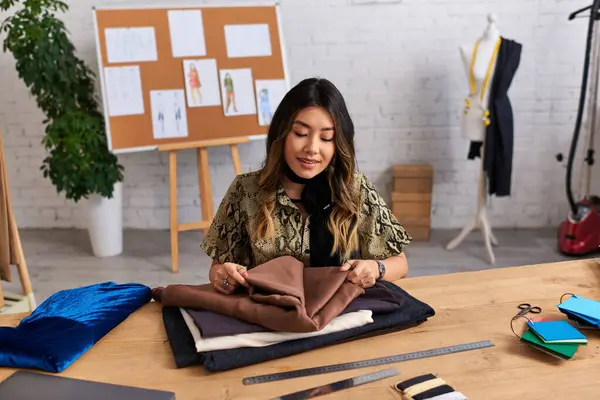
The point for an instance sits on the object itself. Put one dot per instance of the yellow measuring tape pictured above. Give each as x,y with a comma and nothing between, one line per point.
486,114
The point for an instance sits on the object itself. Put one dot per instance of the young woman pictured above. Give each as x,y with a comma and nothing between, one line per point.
307,201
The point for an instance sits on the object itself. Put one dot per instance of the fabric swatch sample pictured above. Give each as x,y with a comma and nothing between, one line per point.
67,324
402,386
450,396
436,391
423,386
557,332
562,351
582,306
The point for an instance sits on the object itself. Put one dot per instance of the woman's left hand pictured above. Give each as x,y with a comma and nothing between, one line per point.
363,273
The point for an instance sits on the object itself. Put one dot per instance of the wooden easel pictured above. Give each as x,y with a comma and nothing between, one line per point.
16,240
204,185
480,220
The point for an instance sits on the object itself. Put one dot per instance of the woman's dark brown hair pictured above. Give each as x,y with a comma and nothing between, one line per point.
314,92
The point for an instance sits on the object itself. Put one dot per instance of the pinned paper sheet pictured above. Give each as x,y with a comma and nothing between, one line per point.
124,91
187,33
248,40
202,83
269,94
237,91
130,44
169,118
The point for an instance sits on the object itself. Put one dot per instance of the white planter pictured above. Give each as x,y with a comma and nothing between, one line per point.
105,223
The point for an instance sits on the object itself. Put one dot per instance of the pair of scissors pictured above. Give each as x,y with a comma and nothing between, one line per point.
527,308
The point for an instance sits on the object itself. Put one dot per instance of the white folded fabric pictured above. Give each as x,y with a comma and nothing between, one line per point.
450,396
262,339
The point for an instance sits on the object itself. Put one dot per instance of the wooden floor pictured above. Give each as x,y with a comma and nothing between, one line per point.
62,259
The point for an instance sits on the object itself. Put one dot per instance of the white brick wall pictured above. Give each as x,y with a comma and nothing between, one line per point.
397,63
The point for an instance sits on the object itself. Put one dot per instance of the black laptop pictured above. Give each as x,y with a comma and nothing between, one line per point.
27,385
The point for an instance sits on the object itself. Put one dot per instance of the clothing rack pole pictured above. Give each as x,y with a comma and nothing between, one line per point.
480,220
14,234
592,119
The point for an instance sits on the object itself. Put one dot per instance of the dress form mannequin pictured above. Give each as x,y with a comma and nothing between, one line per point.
479,60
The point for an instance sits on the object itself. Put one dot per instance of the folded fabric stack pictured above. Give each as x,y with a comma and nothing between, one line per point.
287,309
428,387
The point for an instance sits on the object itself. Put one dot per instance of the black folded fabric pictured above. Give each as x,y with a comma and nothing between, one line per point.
180,338
414,381
414,312
436,391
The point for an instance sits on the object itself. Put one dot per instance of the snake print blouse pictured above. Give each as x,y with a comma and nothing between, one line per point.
232,236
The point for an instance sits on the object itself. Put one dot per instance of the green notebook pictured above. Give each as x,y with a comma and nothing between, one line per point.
564,351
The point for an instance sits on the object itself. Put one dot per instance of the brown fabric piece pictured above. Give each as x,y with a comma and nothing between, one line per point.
283,296
7,248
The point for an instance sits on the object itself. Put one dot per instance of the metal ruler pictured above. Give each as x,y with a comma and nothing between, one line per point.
339,385
366,363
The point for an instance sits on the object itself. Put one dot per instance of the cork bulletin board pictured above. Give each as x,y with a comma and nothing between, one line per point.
187,74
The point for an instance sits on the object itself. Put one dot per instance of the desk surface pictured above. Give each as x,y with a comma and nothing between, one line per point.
470,307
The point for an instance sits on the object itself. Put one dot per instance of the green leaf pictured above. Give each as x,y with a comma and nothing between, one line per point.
78,162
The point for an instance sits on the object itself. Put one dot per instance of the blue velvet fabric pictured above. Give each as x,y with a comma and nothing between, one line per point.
68,323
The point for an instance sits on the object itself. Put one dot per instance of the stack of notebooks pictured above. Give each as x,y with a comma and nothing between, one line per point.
585,312
557,338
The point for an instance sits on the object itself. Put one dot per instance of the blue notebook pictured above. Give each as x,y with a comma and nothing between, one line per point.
583,318
557,332
584,308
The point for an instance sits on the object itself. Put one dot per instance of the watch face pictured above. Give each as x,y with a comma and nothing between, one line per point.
381,269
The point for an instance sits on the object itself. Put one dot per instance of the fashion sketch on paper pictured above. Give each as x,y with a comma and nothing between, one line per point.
265,106
229,93
194,82
161,119
177,115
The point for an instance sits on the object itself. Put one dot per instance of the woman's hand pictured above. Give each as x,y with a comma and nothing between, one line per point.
227,277
363,273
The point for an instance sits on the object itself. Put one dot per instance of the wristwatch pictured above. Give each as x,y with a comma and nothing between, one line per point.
381,270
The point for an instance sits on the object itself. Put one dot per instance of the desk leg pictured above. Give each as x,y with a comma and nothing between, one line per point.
173,211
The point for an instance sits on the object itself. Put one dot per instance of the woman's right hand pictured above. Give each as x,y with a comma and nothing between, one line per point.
227,277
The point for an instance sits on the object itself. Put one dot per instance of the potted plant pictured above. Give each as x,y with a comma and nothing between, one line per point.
79,163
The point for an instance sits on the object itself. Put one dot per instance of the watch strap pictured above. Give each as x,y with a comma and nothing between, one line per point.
381,270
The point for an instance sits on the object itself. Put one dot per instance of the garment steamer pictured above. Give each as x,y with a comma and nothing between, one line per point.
579,234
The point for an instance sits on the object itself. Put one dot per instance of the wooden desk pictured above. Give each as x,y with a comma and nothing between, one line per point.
470,307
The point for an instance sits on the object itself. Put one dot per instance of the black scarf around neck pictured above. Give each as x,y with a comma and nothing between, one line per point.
318,199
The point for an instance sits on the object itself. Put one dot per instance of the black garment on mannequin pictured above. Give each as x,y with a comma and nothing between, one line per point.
499,135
